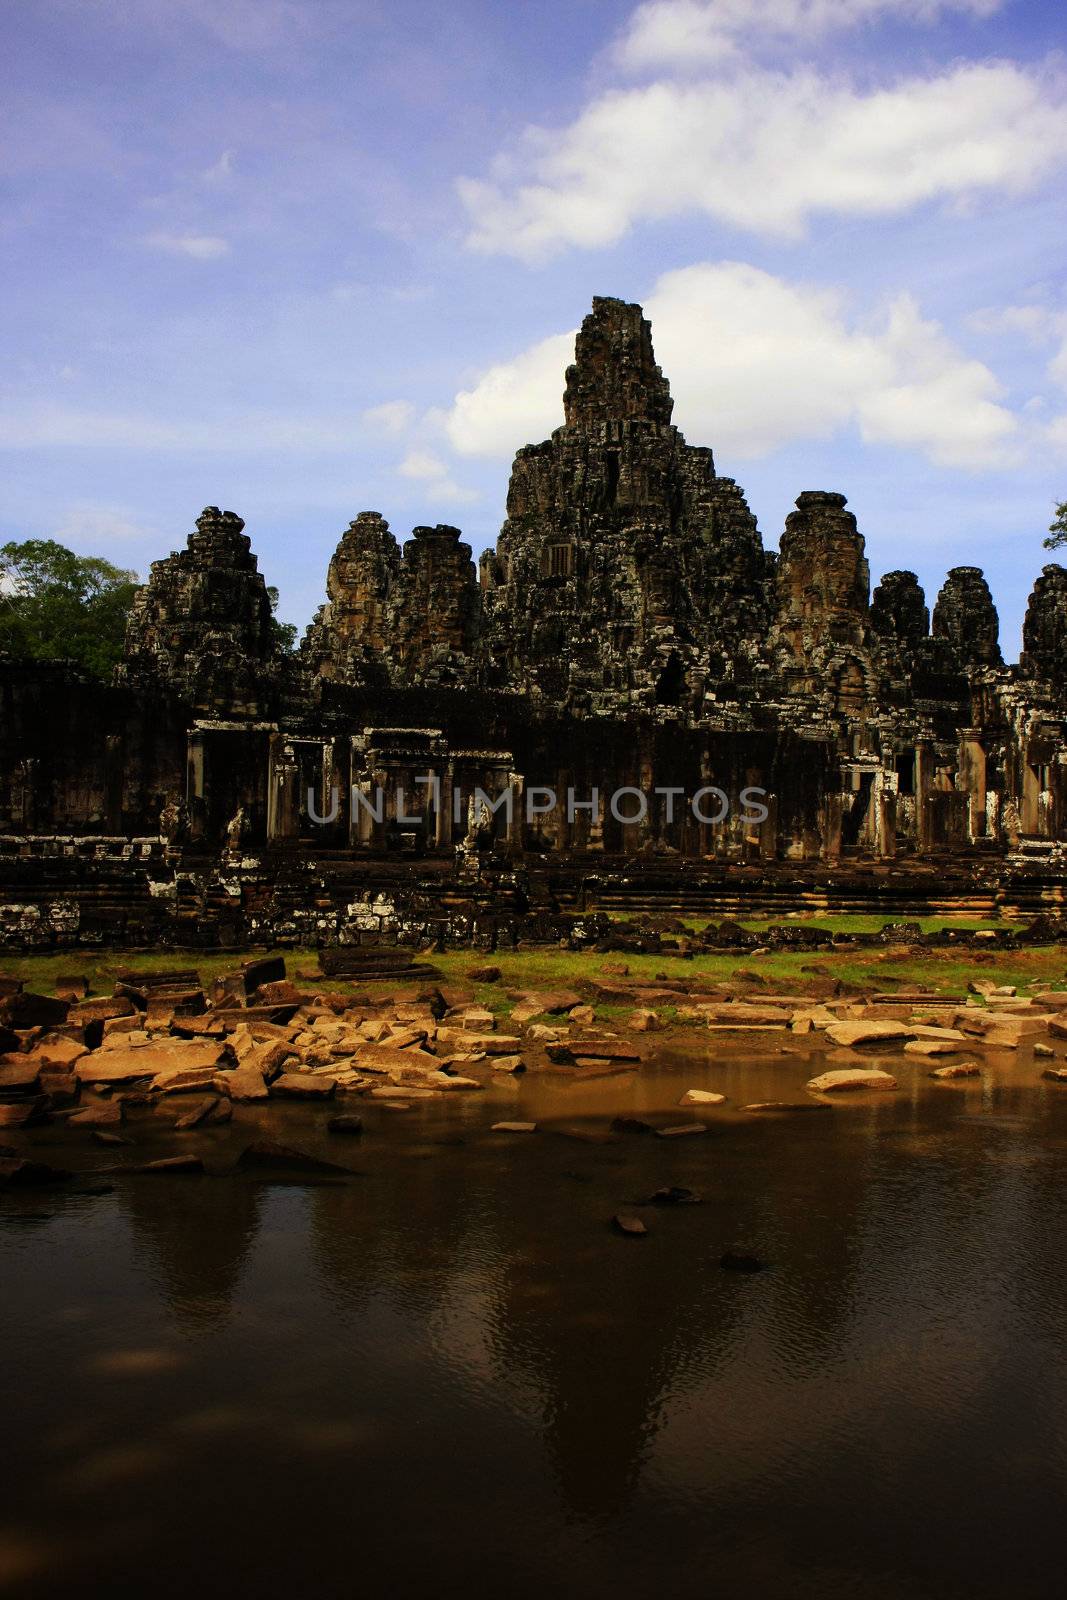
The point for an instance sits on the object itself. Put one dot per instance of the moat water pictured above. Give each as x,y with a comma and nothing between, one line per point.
450,1376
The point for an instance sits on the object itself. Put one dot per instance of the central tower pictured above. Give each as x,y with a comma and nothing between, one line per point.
627,574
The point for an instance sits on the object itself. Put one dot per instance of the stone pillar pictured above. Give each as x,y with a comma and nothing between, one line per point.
924,783
196,784
517,784
283,801
831,829
972,779
1030,799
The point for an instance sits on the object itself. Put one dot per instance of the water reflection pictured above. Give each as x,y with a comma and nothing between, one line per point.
455,1355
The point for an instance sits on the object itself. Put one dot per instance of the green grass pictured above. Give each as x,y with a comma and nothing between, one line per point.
949,970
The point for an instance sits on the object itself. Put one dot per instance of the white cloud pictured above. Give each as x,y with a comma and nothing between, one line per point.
391,418
687,35
198,246
756,362
514,401
766,151
430,470
1044,327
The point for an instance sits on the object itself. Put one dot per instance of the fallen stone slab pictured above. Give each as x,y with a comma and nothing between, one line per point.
54,1050
145,1061
592,1050
197,1113
303,1086
960,1069
996,1028
106,1008
21,1073
451,1081
21,1010
22,1112
742,1013
183,1080
514,1127
551,1001
935,1047
101,1114
1055,1074
243,1083
680,1130
625,1222
701,1097
874,1032
848,1078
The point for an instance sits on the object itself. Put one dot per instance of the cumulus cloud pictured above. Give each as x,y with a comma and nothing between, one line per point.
197,246
687,35
429,469
391,418
756,362
764,152
518,399
1044,327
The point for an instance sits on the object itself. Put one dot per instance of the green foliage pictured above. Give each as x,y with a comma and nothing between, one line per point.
1058,528
55,605
282,634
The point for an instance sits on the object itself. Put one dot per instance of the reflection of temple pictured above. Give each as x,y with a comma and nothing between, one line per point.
196,1248
628,630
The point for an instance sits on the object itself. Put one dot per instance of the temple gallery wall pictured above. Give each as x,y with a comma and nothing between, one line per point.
628,632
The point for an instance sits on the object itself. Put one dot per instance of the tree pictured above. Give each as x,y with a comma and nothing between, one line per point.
1058,529
55,605
282,634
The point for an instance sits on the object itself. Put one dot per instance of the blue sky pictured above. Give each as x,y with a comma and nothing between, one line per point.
306,259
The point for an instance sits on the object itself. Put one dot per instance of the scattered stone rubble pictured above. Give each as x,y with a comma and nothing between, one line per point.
160,1047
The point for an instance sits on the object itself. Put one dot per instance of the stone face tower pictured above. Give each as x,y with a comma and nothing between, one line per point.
1045,628
350,635
202,623
626,574
966,618
899,611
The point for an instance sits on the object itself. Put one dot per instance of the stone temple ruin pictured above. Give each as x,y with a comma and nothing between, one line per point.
629,632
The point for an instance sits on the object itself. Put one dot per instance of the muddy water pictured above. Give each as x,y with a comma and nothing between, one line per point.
448,1375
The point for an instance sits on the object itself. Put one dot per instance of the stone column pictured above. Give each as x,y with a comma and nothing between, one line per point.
924,783
195,784
282,799
1030,799
972,779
